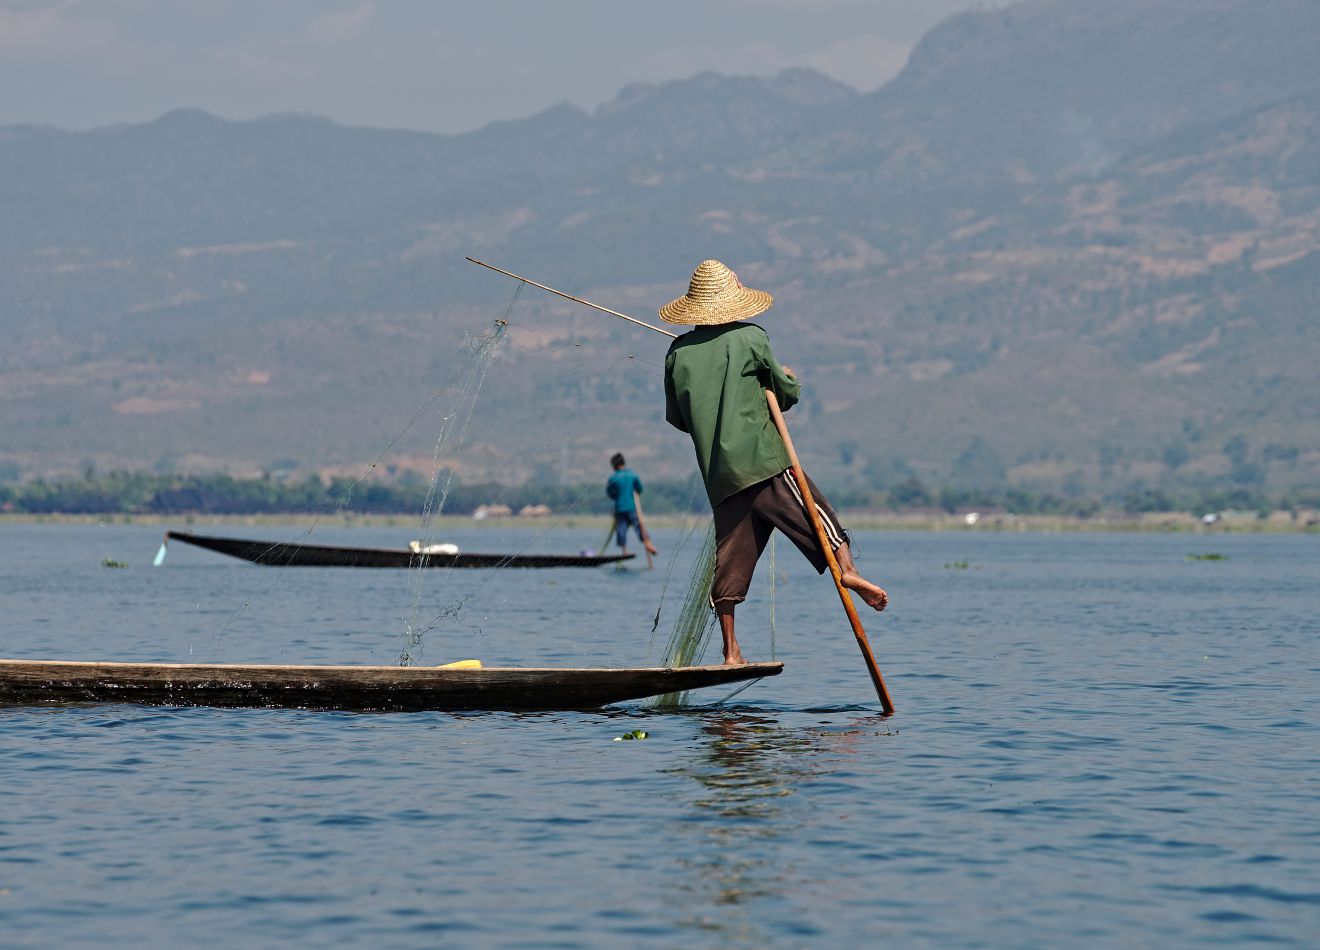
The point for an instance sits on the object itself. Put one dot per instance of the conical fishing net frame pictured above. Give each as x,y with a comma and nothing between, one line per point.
696,621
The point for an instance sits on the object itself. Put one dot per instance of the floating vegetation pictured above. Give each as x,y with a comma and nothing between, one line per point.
1207,557
962,565
635,734
111,562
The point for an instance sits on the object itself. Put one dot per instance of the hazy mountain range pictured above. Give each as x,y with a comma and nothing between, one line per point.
1072,246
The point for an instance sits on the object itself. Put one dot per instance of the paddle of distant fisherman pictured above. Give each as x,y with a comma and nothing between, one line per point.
716,376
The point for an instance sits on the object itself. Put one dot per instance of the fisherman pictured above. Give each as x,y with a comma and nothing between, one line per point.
715,381
624,487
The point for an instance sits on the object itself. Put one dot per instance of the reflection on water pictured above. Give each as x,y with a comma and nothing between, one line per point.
742,824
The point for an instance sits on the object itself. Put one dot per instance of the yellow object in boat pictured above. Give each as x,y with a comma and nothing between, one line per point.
461,665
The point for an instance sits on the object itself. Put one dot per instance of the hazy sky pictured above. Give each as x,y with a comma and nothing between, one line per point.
423,64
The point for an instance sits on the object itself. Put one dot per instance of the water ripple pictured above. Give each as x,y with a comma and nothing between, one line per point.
1080,758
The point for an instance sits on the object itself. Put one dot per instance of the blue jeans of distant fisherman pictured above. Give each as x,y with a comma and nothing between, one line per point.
623,520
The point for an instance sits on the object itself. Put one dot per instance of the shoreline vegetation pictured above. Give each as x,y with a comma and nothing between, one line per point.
133,497
1235,522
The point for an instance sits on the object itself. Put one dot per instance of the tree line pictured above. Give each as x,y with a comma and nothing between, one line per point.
127,493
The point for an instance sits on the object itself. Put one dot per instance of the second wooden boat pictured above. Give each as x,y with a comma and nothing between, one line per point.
397,688
284,554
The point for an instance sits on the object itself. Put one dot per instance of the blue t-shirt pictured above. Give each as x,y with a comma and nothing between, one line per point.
621,486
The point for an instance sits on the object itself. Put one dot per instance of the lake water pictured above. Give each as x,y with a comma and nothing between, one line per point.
1099,742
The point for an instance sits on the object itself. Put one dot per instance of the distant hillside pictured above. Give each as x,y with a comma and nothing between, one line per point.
1072,246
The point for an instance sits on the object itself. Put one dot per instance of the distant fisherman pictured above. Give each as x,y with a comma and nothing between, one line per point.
715,382
624,487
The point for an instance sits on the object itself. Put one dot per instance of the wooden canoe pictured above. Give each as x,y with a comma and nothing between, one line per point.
401,688
282,554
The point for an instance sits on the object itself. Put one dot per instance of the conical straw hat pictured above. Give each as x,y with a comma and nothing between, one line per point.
714,296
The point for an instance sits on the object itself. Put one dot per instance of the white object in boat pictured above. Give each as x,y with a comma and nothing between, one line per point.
416,547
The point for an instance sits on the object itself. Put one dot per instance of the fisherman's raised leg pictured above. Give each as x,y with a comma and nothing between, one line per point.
785,507
874,595
645,538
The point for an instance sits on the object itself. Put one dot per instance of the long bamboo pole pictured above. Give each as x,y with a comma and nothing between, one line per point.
585,303
848,606
885,703
647,546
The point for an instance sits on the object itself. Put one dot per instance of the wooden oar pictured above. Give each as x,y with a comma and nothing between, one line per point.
848,606
646,535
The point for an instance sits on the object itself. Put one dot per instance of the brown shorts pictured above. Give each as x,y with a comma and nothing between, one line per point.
743,523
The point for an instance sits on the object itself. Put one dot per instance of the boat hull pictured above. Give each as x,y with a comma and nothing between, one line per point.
281,554
385,688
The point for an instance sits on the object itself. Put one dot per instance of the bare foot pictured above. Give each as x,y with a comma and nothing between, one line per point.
735,660
650,548
875,597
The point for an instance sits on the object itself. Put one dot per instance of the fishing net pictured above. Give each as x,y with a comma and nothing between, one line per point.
456,397
453,429
695,623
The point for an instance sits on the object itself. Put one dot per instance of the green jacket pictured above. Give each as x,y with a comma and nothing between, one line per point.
715,379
